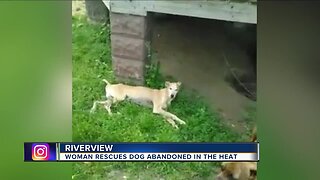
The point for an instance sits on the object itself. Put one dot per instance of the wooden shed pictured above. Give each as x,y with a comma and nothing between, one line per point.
130,26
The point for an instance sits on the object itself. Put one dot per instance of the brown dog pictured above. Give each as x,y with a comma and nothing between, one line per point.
239,170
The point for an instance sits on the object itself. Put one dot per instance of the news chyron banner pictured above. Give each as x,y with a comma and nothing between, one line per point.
128,152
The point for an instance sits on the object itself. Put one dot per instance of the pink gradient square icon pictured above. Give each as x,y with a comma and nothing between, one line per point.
40,152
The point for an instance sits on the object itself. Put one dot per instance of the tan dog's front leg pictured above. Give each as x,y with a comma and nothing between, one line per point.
172,116
179,120
172,122
167,114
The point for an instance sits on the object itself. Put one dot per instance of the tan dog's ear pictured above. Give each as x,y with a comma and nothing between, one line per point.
167,83
179,83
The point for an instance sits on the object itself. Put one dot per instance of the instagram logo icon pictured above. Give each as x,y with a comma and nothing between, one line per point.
40,152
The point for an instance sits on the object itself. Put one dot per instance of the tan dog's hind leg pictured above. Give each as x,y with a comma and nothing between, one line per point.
120,98
107,104
94,107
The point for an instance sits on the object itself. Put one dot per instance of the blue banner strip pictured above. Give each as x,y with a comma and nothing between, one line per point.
159,147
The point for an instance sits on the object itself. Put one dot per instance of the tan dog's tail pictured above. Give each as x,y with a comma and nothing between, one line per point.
104,80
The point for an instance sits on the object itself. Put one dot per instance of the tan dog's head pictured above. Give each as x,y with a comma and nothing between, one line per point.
173,88
238,171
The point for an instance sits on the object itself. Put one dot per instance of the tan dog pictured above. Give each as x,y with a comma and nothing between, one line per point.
158,99
239,170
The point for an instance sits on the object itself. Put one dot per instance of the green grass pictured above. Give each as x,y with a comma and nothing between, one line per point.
133,123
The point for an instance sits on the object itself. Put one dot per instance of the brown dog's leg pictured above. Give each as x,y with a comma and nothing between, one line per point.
254,134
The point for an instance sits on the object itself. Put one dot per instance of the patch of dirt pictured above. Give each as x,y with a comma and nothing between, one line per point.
78,8
191,50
